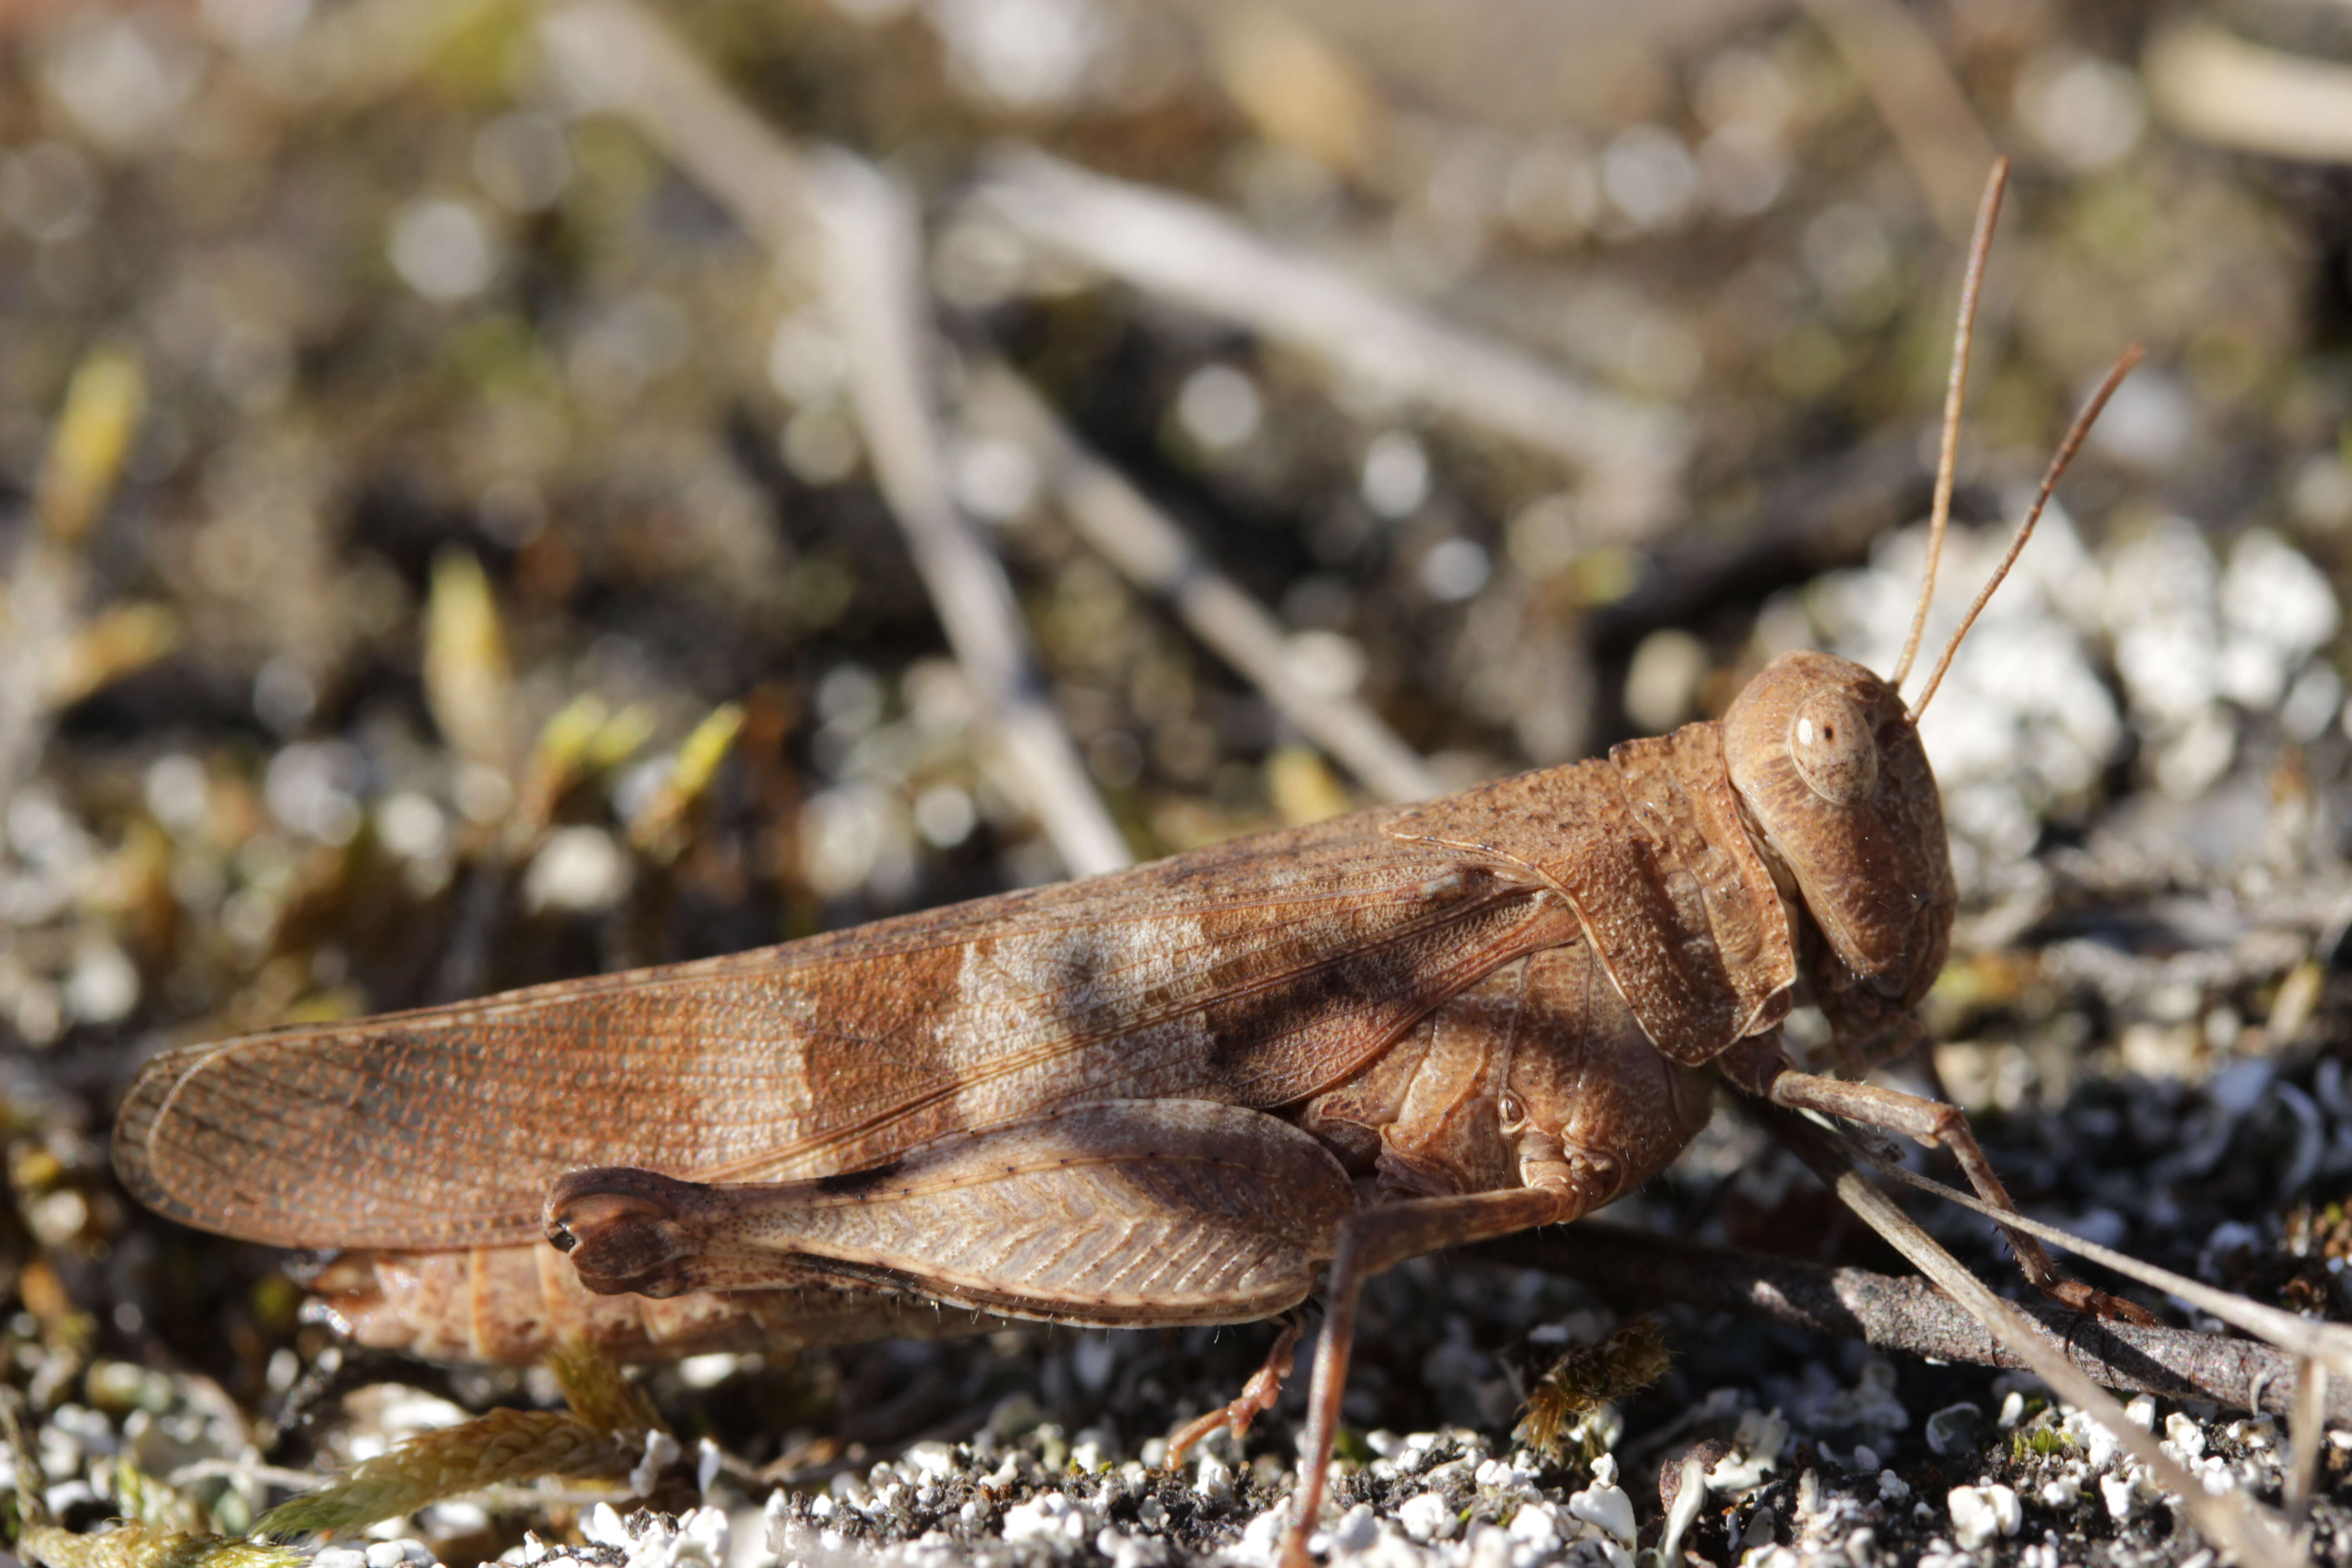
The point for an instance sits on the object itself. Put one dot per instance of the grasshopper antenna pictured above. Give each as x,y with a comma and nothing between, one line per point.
1955,391
2066,450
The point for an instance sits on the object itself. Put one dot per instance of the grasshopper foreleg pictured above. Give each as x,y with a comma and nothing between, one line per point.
1934,1124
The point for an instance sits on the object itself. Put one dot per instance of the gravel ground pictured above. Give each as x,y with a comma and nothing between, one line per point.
444,552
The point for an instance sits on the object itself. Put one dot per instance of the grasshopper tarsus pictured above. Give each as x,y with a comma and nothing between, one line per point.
1257,1396
2091,1302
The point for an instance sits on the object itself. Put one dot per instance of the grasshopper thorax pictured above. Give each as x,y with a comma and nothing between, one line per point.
1829,768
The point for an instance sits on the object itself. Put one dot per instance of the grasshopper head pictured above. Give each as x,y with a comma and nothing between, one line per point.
1827,760
1829,766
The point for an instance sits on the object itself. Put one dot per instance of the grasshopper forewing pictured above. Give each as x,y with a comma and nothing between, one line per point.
1173,1095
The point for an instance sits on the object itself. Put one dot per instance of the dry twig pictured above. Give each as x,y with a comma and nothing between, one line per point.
1193,253
1153,552
871,249
1900,66
2221,90
1907,1316
873,280
2231,1522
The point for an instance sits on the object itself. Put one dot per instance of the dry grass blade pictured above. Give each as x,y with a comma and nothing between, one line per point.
1154,554
501,1446
102,409
873,267
45,657
2222,89
2329,1343
662,827
1905,1315
2231,1522
2304,1432
144,1546
1896,60
1166,245
626,59
114,643
468,678
871,253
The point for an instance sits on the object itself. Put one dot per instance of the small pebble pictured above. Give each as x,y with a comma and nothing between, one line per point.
603,1527
705,1536
1607,1507
1355,1531
1215,1479
1981,1513
1428,1517
1050,1518
1954,1430
1259,1537
1536,1527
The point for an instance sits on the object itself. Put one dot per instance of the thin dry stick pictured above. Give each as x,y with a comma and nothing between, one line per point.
2329,1344
871,249
344,59
2066,450
873,264
625,61
1903,71
2229,1523
1155,555
2310,1415
1193,253
2220,89
1909,1317
1955,390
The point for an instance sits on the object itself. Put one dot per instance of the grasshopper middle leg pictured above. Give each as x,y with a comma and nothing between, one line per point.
1257,1397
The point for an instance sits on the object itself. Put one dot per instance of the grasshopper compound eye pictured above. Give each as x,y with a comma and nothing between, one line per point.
1832,743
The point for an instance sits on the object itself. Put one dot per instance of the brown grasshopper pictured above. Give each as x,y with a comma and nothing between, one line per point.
1169,1096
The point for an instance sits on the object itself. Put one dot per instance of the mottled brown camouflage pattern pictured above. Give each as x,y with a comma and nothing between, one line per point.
1154,1097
